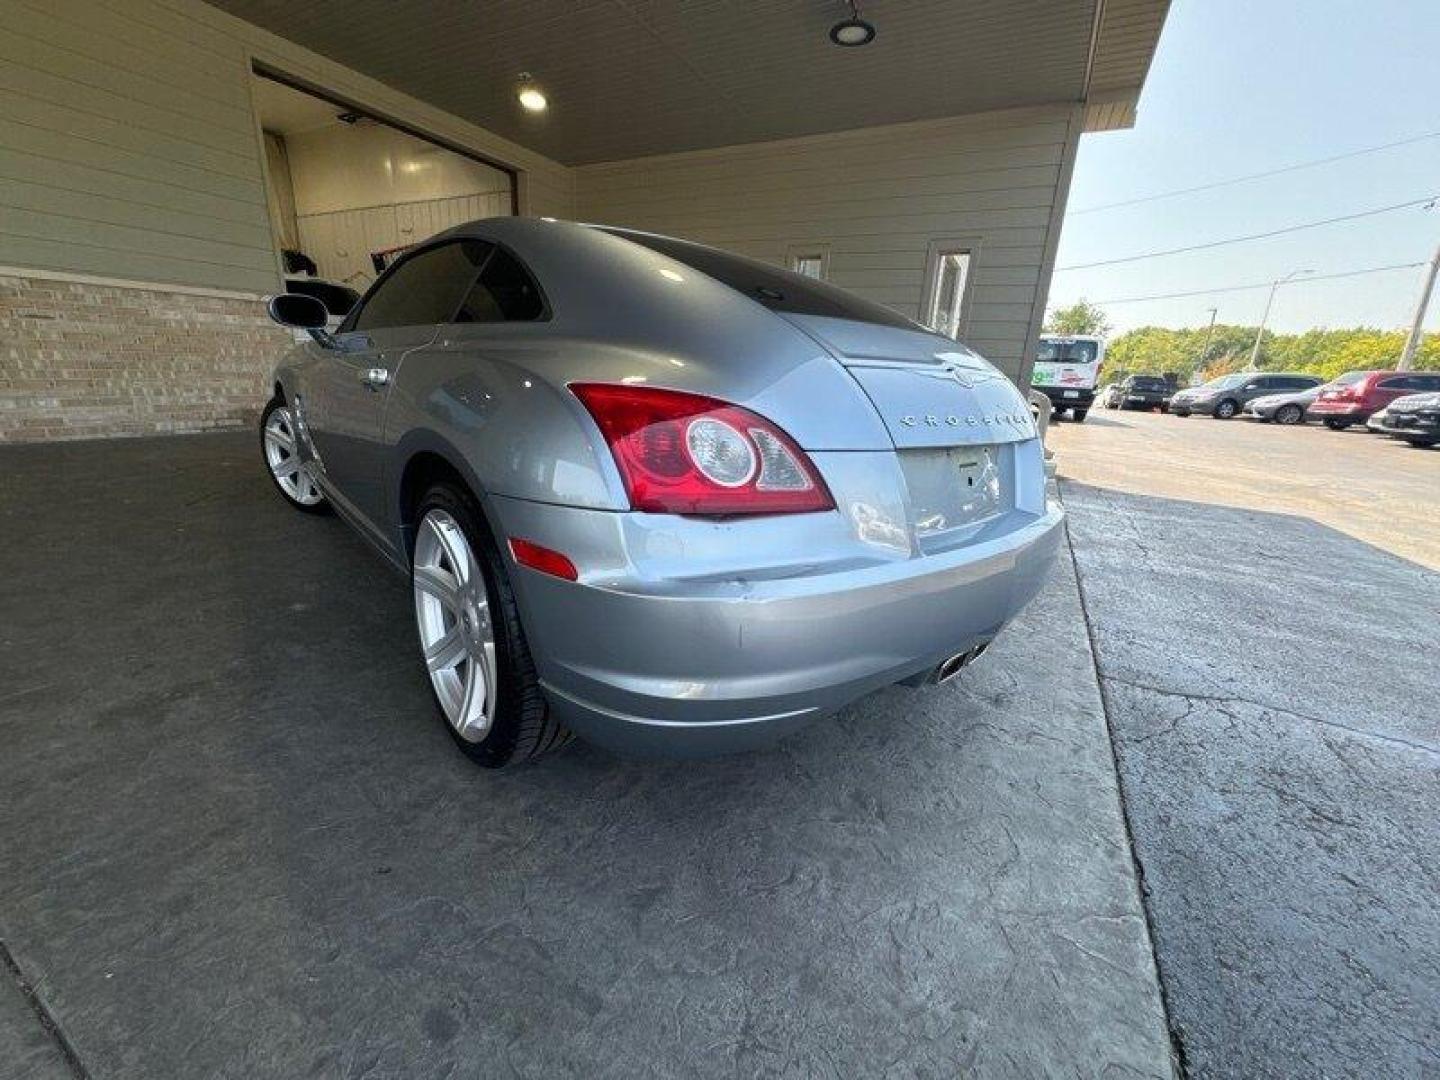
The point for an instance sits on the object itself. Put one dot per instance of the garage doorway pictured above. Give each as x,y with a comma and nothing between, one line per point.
347,189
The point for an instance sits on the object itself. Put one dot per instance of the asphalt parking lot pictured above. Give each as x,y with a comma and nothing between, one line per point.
1262,603
1378,490
237,842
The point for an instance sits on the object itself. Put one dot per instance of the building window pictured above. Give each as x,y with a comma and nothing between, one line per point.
812,260
947,276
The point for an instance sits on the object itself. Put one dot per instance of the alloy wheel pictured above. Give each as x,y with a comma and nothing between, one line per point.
282,455
1288,414
452,613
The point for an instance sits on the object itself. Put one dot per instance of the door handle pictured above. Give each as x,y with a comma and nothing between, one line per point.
375,377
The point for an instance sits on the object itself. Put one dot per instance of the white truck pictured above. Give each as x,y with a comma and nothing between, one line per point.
1067,368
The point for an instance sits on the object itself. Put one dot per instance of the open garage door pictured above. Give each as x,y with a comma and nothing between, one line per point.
347,189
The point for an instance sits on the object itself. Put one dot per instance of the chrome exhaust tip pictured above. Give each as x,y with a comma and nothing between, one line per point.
948,669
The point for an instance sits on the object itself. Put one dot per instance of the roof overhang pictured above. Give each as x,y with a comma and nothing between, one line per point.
627,78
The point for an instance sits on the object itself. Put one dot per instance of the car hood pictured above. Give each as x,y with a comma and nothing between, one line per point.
929,390
1414,402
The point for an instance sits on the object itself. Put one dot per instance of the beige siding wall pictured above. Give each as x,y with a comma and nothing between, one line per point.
877,197
128,145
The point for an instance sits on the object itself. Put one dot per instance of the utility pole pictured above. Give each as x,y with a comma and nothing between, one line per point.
1412,343
1209,333
1260,333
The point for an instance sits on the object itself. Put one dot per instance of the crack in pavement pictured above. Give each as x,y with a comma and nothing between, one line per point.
1226,699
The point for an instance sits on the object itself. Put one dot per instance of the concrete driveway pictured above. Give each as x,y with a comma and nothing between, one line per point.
235,841
1271,682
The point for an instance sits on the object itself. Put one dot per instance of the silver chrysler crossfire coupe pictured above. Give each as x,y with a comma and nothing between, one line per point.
665,497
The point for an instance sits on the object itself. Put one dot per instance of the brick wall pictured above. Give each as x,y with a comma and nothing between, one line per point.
81,360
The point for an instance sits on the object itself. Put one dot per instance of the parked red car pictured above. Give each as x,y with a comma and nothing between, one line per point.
1354,396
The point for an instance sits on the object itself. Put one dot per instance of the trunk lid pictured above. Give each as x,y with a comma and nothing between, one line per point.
929,391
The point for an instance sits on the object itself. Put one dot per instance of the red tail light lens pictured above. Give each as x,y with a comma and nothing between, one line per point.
682,453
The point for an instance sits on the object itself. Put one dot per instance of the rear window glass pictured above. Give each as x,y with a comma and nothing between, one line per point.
1147,382
779,290
1350,378
1066,352
505,292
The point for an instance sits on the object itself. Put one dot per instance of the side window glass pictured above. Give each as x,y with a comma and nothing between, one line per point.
423,289
504,292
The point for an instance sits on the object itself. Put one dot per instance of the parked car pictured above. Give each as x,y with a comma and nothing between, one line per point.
1224,397
657,494
1355,396
337,298
1108,396
1414,418
1141,392
1286,408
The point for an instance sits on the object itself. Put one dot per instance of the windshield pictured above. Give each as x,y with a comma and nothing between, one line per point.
1227,382
778,290
1066,352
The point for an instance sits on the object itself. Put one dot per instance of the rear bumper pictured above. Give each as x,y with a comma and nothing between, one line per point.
1330,410
712,666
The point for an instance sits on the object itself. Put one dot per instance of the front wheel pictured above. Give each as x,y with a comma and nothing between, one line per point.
1225,410
280,444
474,649
1422,442
1079,415
1289,414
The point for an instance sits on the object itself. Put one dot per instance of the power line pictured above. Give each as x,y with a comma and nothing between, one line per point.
1253,176
1257,285
1252,236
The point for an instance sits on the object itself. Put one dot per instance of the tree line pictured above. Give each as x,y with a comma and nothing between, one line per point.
1185,353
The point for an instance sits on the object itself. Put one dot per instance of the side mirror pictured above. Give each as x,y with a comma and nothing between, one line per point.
297,311
1251,386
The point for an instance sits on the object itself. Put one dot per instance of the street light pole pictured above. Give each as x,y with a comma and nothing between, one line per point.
1260,333
1209,333
1407,358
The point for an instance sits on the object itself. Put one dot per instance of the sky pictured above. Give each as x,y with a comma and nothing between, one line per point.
1240,87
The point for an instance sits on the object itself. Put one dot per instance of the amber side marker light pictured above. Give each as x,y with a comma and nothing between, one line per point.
546,560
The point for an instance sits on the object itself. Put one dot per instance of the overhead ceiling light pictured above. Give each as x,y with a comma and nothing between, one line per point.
531,96
853,32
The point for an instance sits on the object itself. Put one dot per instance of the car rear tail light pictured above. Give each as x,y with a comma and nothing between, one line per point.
682,453
546,560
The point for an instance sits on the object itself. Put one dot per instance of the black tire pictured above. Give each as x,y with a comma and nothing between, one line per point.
1336,425
1289,414
1224,410
1421,443
1079,415
524,727
323,506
